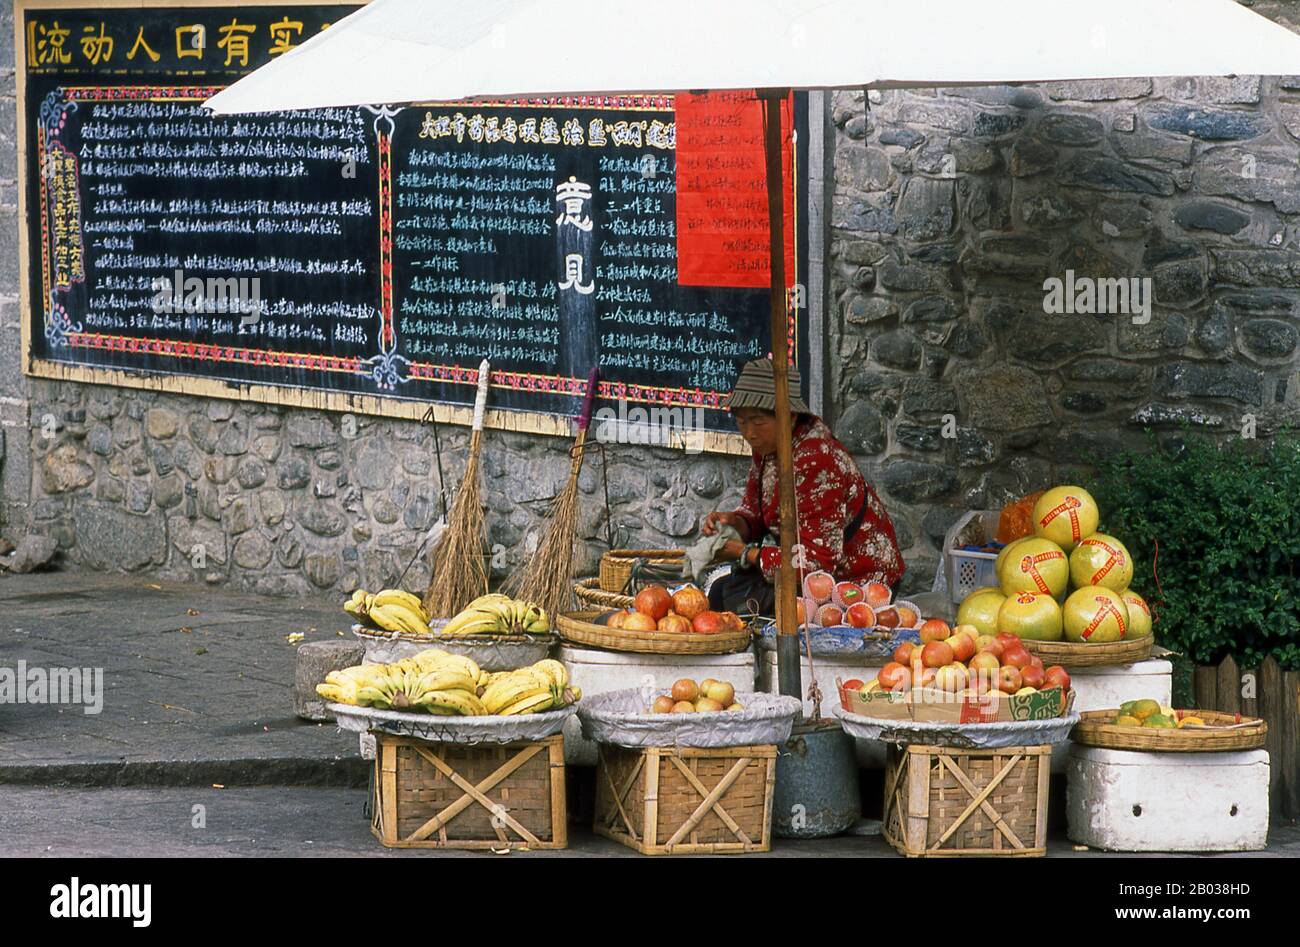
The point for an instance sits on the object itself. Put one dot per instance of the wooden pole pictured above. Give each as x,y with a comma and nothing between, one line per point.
788,665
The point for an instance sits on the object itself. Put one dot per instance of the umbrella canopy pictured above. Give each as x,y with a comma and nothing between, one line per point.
395,51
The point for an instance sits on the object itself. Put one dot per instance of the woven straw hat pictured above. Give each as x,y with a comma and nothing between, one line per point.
756,388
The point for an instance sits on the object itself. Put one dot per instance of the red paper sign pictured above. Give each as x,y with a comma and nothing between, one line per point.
722,217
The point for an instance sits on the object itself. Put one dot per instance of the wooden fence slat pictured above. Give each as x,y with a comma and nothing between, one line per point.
1229,687
1205,688
1271,709
1291,744
1250,705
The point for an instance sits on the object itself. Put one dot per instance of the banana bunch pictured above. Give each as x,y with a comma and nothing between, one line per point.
531,690
432,681
499,615
391,610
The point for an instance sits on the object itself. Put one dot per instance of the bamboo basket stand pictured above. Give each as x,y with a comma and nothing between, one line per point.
684,801
1076,654
580,628
1249,733
943,802
616,565
485,796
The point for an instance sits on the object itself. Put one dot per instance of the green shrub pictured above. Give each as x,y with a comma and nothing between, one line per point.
1226,517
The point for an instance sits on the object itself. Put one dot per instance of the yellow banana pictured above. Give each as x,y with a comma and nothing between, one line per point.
429,662
443,680
396,617
462,702
504,692
406,599
556,671
532,704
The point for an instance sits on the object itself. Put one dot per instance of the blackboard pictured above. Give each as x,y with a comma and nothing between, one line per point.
359,259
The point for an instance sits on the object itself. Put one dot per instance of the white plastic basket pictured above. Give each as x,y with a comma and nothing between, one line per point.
968,571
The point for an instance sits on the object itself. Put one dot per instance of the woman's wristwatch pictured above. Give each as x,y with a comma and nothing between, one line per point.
744,556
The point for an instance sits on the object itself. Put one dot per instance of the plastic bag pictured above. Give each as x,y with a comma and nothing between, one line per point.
1017,519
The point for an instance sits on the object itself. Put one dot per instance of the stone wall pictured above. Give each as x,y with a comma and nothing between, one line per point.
948,211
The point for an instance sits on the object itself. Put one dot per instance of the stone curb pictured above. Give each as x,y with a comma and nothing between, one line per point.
346,773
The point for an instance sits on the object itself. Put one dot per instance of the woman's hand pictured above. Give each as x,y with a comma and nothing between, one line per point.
719,518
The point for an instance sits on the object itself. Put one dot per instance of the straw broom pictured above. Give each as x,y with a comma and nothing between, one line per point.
458,574
547,577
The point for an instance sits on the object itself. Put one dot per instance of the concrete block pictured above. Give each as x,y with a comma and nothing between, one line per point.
598,672
1129,801
315,660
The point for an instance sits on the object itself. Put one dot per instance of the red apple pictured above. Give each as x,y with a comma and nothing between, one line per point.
850,593
860,615
1036,661
950,677
1056,676
1008,639
887,617
893,676
936,654
936,629
963,646
990,644
819,585
985,661
853,684
829,616
1009,680
907,618
1016,657
1032,677
903,653
877,594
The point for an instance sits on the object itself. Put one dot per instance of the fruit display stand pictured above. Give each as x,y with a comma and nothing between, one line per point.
581,628
1095,688
959,789
598,672
465,782
490,652
683,784
1137,789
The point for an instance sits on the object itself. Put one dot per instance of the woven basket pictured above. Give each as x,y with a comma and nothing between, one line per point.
1083,655
617,564
1095,729
590,595
579,628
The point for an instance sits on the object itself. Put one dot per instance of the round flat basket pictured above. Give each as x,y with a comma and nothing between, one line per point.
1222,733
590,595
490,652
438,729
961,736
617,565
581,628
620,718
1075,654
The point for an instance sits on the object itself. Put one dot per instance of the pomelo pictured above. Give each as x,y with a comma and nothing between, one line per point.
1101,560
1030,615
1095,614
980,609
1139,614
1035,565
1066,516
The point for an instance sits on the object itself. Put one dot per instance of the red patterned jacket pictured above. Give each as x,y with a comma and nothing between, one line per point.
829,490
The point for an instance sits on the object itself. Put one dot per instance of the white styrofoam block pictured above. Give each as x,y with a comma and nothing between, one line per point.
598,672
1095,688
1130,801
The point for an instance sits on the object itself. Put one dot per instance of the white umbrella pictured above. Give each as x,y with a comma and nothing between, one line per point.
401,51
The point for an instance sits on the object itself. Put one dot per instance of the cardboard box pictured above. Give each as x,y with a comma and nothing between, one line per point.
934,706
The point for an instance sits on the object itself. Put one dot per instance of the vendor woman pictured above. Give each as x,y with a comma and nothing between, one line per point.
842,524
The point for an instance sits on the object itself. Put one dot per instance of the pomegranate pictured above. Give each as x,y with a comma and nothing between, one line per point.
689,602
653,601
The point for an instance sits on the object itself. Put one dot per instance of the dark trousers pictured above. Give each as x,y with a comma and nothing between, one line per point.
745,593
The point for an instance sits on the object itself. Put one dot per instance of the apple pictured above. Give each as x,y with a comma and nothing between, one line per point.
706,705
906,617
903,653
887,617
877,594
1008,639
1016,657
720,691
1026,690
689,602
850,593
685,689
663,705
1036,661
936,654
708,623
675,624
1008,680
950,678
640,621
736,707
683,707
853,684
984,680
819,586
1032,676
800,612
894,676
828,616
1056,676
971,630
963,646
860,615
926,678
653,601
936,629
985,661
990,644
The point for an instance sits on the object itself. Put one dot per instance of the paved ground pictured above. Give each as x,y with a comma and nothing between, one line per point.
196,693
196,685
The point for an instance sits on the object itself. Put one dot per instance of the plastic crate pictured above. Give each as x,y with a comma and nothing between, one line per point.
967,571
